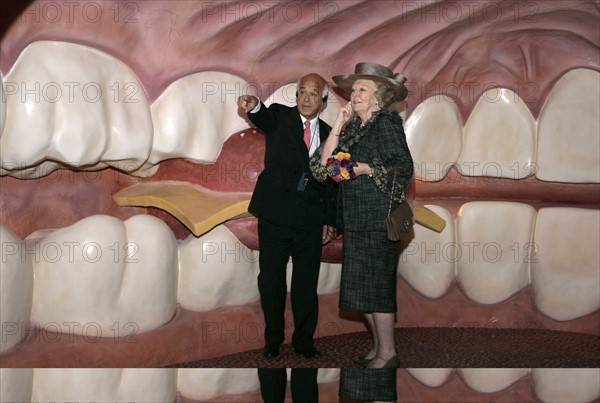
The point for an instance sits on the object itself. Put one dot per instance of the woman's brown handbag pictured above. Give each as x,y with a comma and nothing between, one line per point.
400,221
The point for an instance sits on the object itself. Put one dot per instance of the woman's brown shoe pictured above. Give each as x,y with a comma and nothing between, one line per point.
393,362
362,361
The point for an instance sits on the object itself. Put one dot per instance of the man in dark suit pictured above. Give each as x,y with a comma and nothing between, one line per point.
303,382
291,209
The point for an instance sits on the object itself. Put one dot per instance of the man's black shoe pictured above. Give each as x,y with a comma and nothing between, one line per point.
271,351
310,352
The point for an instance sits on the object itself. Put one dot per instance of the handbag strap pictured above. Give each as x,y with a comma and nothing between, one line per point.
392,192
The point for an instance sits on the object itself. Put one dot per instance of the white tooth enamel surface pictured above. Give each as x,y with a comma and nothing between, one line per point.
489,380
216,270
568,130
74,104
16,289
16,384
147,385
329,277
96,385
565,270
428,262
286,95
204,384
328,375
149,283
494,240
573,385
105,277
75,385
432,377
434,135
2,105
499,137
195,115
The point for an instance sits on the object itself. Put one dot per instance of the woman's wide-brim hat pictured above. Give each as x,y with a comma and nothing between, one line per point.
375,72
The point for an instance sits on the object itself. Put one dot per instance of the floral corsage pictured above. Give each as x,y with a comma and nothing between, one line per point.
339,167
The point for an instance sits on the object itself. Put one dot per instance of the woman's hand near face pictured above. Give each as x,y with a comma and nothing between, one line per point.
344,114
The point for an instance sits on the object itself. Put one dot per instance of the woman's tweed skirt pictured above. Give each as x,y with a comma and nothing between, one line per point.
368,384
369,265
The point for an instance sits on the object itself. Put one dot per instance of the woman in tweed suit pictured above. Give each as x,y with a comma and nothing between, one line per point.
368,384
374,136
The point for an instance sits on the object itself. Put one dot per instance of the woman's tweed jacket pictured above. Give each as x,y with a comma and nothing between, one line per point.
381,143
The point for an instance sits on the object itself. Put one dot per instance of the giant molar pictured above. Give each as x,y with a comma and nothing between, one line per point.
81,385
61,114
194,116
216,270
105,277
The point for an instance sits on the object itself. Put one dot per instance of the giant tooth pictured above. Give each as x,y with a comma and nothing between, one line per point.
435,121
104,384
102,277
16,384
2,105
568,140
565,265
194,116
84,118
499,137
494,241
216,270
16,289
428,261
488,380
573,385
432,377
207,384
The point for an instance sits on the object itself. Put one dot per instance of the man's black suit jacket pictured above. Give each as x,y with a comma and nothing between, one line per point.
276,197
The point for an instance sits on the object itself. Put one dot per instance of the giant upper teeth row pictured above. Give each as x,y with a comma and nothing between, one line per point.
163,385
69,104
103,277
